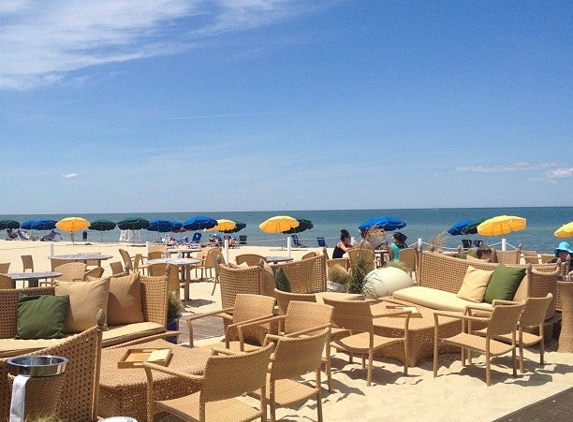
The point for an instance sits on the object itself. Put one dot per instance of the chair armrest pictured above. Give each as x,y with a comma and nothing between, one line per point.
221,312
166,370
240,325
306,331
469,308
229,352
504,302
459,316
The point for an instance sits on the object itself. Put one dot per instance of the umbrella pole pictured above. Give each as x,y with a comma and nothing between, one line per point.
289,243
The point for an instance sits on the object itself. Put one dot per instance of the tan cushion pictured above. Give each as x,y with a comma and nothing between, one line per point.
10,347
267,281
86,299
241,265
124,305
475,284
436,299
475,258
123,333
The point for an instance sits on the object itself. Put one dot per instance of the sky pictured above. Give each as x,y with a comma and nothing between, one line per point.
237,105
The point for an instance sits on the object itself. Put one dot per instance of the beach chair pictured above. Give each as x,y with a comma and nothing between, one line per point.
196,238
243,240
321,242
466,243
295,242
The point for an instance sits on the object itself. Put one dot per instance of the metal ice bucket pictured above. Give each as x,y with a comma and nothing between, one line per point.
37,366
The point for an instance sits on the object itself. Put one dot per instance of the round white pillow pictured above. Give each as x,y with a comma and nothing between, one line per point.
385,281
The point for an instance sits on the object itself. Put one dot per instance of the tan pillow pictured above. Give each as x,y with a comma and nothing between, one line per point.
267,281
475,284
474,258
86,299
124,305
241,265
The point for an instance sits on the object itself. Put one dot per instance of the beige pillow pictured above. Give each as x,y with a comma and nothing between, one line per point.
475,284
86,299
267,281
124,305
474,258
241,265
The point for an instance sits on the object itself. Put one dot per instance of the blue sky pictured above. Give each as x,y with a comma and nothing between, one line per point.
224,105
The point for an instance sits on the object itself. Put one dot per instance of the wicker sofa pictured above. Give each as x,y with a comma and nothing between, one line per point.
441,276
153,292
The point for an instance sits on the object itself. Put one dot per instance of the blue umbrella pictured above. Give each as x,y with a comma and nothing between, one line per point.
199,222
472,226
161,226
27,225
44,224
458,228
382,223
176,226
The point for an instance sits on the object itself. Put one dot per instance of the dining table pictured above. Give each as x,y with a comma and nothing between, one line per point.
183,252
33,277
278,259
83,257
184,264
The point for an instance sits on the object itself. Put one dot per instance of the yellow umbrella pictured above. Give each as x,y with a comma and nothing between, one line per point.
222,225
501,224
566,230
279,224
72,224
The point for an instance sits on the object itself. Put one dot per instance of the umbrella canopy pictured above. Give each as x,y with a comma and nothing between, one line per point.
566,230
382,223
177,227
223,225
161,226
133,223
501,224
9,224
458,228
279,224
303,225
239,225
27,225
102,225
472,227
199,222
72,224
44,224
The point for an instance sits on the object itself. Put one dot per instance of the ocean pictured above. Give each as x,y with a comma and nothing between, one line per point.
426,224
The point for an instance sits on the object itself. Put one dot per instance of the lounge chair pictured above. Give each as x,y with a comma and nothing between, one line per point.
295,242
196,238
321,242
242,240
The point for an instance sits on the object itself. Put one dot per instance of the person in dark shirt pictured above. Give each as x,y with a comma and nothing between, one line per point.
343,245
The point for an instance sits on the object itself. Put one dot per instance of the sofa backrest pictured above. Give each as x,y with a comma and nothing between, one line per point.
9,307
306,275
154,298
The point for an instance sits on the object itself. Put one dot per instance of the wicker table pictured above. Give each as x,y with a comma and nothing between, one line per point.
124,391
566,336
420,332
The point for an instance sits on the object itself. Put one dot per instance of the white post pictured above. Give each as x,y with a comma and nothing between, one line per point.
289,243
226,243
503,244
51,250
419,242
147,247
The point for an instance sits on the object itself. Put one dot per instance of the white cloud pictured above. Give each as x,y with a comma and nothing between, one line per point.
42,42
511,167
70,175
560,173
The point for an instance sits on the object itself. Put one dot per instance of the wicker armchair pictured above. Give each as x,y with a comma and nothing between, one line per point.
247,308
294,357
72,271
306,276
235,281
79,397
5,282
507,257
116,268
408,256
284,298
56,262
95,272
27,263
225,378
502,322
357,317
250,258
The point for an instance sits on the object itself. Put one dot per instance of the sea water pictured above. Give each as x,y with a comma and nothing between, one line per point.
427,224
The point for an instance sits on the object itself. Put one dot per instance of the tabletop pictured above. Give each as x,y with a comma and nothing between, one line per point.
277,259
83,256
183,250
34,275
175,261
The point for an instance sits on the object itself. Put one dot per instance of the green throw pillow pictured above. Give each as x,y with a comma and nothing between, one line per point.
282,280
42,317
503,283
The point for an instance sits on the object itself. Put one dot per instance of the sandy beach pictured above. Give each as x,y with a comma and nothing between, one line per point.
456,394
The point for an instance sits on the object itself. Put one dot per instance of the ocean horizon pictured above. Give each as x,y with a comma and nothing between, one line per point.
426,224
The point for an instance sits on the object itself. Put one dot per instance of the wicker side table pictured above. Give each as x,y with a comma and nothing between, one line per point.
566,337
124,391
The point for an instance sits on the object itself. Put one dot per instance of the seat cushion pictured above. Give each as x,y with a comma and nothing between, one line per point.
475,284
86,299
504,283
10,347
42,317
122,333
124,305
436,299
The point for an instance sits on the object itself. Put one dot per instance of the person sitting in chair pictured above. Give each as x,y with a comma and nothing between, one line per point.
563,252
343,245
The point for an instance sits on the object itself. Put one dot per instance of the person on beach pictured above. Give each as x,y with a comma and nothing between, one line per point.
343,245
483,252
398,243
564,252
85,235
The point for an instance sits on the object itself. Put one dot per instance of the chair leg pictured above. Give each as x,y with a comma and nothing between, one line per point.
487,370
318,397
521,367
369,374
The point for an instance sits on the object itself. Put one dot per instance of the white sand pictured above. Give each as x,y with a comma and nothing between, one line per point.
457,394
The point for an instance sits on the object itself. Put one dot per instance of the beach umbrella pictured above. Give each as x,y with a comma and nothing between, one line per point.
27,225
471,227
239,225
9,224
44,224
72,224
566,230
222,225
458,228
199,222
160,226
502,224
102,225
133,223
382,223
177,227
279,224
303,225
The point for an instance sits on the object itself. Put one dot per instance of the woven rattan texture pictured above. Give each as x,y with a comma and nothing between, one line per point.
9,307
238,280
306,276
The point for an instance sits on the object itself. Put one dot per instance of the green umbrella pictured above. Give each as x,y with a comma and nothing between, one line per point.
9,224
102,225
133,223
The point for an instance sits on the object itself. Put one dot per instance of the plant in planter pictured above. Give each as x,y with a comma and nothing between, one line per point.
338,276
360,265
174,311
